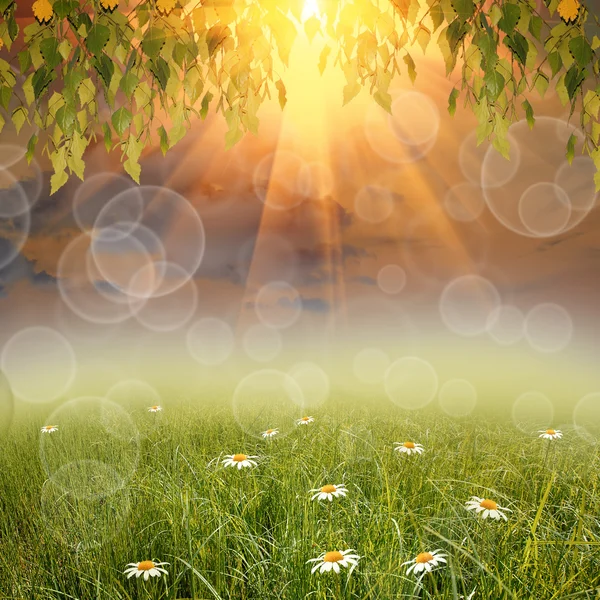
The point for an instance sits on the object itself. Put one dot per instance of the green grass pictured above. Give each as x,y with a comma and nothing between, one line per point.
138,486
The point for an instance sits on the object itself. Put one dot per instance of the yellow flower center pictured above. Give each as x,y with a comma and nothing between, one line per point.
332,557
550,431
408,445
489,504
424,557
306,418
155,407
49,427
269,431
328,489
239,457
145,565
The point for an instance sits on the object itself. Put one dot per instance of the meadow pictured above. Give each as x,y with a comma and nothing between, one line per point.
118,485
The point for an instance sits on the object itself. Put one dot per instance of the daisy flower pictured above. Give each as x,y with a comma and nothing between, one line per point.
269,433
332,561
305,420
239,460
425,562
550,434
409,448
156,408
487,508
327,492
49,428
147,568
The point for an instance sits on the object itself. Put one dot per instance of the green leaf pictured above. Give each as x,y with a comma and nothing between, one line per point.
13,27
436,13
105,68
108,144
65,49
573,80
97,38
5,5
454,34
282,93
535,27
49,50
454,94
66,117
24,60
540,83
205,105
581,50
5,96
463,8
571,148
494,85
410,63
18,118
528,113
164,140
41,80
555,62
62,8
519,45
31,147
160,70
128,83
153,42
510,17
488,48
121,119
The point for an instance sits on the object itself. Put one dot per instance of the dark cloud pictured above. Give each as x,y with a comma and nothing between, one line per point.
20,268
311,304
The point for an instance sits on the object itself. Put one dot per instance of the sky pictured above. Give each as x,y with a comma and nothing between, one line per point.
335,231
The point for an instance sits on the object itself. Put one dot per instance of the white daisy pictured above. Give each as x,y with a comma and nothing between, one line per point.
147,568
239,460
332,561
409,448
486,508
269,433
550,434
305,420
425,562
156,408
49,428
328,492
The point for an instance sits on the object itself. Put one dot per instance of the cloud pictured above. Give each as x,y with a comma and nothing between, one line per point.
365,279
311,304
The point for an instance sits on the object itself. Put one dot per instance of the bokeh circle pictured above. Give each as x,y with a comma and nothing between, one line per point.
39,364
411,382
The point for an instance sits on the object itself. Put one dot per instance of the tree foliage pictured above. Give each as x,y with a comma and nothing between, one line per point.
123,71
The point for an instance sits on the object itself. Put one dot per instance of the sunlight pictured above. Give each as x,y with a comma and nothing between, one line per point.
311,9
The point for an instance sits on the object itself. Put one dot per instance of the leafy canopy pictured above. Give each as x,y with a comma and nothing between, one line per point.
159,64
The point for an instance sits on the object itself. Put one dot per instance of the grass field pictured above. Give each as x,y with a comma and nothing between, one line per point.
120,485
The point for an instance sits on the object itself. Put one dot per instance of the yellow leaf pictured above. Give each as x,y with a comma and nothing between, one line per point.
42,11
568,10
282,93
109,5
351,90
165,6
312,27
